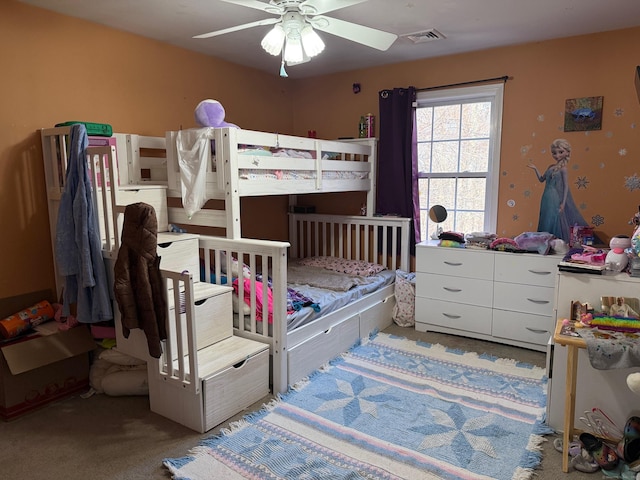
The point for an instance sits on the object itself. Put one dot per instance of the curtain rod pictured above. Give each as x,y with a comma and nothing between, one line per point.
504,79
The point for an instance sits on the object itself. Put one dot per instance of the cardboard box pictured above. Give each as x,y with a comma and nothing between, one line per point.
42,368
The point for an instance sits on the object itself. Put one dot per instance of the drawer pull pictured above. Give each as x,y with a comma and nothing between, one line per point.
164,245
539,302
535,330
449,315
454,290
453,264
540,272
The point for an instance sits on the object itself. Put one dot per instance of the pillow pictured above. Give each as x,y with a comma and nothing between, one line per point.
350,267
133,381
113,355
405,292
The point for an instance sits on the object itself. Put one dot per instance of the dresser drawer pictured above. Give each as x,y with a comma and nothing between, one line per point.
459,316
526,269
523,327
456,262
523,298
470,291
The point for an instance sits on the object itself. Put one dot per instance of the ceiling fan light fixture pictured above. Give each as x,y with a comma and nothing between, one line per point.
274,40
293,50
311,41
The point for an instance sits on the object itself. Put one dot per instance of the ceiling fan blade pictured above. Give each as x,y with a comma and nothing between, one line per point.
266,21
354,32
265,7
317,7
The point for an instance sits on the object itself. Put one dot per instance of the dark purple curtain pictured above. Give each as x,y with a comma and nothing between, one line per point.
397,191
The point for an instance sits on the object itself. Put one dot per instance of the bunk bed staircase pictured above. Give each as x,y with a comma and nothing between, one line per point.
206,374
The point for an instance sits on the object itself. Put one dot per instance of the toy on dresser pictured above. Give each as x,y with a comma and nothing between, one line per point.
617,259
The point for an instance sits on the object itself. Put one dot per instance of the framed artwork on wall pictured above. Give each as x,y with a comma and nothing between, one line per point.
582,114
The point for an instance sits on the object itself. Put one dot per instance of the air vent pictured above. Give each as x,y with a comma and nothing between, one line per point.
425,36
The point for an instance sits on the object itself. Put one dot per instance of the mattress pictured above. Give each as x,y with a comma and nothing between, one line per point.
325,300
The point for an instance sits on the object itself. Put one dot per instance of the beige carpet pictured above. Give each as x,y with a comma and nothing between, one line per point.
119,438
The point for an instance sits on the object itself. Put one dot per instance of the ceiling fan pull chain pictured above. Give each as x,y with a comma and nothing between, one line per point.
283,72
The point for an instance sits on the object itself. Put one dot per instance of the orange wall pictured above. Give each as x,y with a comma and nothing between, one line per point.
57,68
544,75
146,87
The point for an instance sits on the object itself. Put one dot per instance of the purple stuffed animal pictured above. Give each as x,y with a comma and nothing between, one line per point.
210,113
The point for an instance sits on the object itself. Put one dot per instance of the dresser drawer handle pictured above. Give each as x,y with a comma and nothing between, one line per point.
454,290
453,264
540,272
540,302
449,315
535,330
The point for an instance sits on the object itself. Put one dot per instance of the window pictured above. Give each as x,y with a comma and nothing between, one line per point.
458,133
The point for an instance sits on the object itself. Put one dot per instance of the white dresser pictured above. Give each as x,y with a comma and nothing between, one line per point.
497,296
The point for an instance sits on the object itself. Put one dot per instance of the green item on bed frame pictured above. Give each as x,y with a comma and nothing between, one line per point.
99,129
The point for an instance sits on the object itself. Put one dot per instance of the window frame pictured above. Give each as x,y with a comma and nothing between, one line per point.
493,93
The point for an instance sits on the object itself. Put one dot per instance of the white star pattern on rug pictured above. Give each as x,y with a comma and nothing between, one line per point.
356,399
465,436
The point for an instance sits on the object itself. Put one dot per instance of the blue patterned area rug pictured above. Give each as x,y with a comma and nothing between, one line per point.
391,408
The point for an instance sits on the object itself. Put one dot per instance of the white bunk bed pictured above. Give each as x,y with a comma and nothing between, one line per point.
137,164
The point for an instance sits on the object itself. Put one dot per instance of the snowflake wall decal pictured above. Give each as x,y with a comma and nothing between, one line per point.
582,182
618,112
622,152
632,183
597,220
527,193
515,217
583,206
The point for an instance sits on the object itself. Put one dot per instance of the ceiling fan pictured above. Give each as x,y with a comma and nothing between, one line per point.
294,34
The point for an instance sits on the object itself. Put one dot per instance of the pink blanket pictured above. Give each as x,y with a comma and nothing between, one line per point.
259,298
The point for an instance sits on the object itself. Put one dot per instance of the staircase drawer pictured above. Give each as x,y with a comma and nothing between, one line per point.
156,196
235,388
213,319
180,255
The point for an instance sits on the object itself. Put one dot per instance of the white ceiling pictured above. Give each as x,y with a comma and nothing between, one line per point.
468,25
